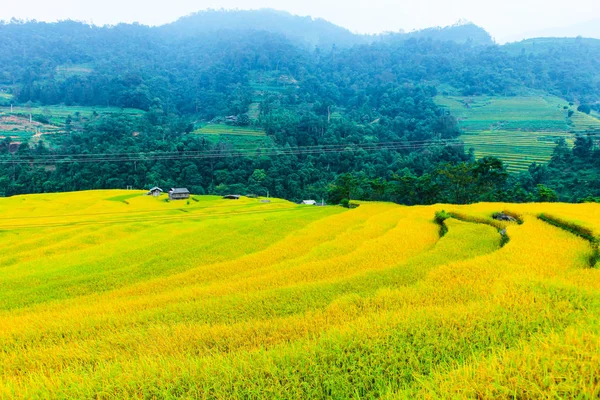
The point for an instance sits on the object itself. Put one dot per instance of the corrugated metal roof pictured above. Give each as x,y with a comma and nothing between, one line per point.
179,191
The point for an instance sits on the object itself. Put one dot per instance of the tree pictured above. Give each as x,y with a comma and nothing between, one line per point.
584,108
243,120
342,188
545,194
491,176
583,146
460,180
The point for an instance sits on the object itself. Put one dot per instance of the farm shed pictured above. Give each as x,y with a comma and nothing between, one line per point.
309,202
232,197
155,191
179,194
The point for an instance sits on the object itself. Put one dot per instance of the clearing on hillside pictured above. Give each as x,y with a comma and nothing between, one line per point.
115,294
25,122
66,71
223,129
519,130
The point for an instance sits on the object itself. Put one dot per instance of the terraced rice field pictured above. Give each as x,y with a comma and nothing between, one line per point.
517,150
519,130
222,129
112,294
583,123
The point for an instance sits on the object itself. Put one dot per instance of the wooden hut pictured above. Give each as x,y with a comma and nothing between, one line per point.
179,194
155,192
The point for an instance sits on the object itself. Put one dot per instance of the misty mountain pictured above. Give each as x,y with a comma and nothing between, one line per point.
589,29
459,33
312,32
211,63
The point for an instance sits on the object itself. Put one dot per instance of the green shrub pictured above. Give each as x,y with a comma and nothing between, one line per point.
440,218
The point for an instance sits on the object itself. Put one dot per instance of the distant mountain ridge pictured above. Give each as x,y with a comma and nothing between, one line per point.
314,32
588,29
459,33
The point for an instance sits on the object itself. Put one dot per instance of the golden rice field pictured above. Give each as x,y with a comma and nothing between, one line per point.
112,295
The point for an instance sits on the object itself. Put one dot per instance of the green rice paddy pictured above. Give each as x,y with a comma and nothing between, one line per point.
222,129
520,130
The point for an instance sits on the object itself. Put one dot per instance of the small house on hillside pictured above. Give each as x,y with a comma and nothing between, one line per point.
155,191
309,202
232,197
179,194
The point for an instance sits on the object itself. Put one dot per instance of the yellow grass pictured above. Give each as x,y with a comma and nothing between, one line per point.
112,294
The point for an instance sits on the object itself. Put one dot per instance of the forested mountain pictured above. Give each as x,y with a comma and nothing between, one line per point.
460,33
305,83
300,30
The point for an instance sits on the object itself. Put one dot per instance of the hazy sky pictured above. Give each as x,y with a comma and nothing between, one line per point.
504,19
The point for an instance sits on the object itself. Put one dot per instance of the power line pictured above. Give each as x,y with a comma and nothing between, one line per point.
208,155
218,151
260,151
322,146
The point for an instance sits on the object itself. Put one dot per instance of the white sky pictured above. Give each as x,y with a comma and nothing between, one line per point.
506,20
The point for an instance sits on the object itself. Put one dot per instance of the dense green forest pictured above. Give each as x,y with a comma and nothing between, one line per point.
347,117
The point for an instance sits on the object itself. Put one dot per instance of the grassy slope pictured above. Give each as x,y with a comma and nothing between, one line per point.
520,130
114,294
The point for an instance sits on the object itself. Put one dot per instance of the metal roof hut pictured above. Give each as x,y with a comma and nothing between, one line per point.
155,191
179,194
310,202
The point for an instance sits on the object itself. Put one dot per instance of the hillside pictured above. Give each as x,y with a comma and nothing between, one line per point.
32,124
219,298
520,130
219,104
